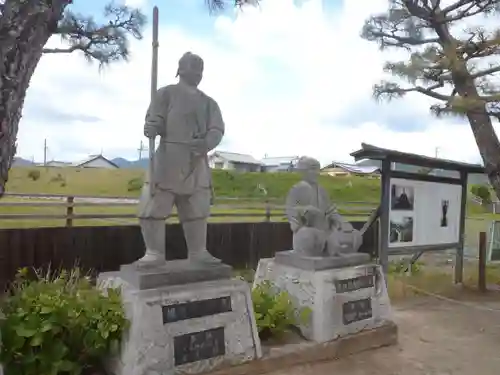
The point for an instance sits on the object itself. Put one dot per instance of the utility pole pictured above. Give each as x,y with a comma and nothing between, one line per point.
45,152
141,149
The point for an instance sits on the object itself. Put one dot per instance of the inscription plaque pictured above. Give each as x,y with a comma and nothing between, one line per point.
197,346
355,283
196,309
354,311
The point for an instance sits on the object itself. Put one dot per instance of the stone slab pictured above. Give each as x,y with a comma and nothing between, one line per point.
174,272
287,356
164,337
291,258
343,300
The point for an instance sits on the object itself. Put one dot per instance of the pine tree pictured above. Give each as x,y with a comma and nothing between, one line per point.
453,66
25,28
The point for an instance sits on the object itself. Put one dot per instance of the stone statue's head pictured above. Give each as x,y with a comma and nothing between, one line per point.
190,69
309,168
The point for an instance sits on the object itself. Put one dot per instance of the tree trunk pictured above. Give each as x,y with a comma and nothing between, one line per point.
484,133
25,28
480,122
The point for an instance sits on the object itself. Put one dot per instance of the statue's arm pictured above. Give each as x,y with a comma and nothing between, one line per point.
154,123
216,127
292,210
334,218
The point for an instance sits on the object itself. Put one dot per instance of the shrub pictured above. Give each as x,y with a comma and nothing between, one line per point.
34,174
274,311
59,324
135,184
58,178
398,267
482,191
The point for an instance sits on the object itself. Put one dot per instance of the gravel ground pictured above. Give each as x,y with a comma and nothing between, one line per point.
435,337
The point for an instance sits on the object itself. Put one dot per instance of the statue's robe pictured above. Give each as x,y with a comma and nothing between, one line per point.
184,114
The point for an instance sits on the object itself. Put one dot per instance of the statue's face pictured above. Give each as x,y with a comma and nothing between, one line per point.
192,72
310,174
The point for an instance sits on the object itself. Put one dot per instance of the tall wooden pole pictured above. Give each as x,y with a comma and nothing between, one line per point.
154,86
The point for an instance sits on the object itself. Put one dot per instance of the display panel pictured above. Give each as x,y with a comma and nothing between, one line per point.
423,213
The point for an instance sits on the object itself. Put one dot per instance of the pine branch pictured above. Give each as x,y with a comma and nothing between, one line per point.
104,43
468,8
391,90
219,5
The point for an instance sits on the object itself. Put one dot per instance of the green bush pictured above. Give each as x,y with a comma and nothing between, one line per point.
135,184
34,174
398,267
59,324
274,311
482,191
58,178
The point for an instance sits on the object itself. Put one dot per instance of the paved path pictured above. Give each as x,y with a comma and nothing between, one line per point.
435,338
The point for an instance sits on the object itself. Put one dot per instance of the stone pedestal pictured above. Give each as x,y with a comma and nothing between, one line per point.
343,300
184,328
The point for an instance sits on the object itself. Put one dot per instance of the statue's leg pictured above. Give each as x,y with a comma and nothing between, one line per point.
194,211
153,211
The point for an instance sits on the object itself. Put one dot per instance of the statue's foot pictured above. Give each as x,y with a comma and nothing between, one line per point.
151,259
203,257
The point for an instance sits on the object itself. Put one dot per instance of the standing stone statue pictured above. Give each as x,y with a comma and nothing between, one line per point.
318,229
190,124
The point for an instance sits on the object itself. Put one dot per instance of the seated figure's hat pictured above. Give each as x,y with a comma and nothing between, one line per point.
307,162
187,59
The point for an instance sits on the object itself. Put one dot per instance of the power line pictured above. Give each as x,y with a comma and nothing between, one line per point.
45,152
141,148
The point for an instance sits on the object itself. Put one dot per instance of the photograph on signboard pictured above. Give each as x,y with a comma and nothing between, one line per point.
401,230
445,203
402,197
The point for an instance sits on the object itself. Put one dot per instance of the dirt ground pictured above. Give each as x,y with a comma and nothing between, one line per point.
436,337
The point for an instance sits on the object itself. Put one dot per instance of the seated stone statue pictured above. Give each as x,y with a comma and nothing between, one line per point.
318,229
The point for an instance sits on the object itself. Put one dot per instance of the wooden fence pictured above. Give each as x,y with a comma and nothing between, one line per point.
68,206
105,248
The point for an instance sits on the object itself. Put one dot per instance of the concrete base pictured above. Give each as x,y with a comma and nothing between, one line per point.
343,300
177,272
186,329
291,258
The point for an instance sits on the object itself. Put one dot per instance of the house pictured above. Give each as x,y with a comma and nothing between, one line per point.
279,164
56,164
233,161
337,169
96,161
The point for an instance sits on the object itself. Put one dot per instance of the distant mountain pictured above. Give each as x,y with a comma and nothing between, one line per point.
121,162
20,162
132,164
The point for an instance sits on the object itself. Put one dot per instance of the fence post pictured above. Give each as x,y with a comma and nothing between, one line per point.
481,279
69,211
268,211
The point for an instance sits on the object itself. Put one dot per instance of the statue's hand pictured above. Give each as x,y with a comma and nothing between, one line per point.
198,146
152,127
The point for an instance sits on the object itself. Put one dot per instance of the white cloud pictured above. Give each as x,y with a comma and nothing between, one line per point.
281,74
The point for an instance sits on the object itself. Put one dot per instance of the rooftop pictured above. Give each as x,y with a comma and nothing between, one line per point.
278,160
237,158
353,168
376,153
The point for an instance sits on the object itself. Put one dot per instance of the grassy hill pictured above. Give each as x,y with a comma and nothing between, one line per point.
126,183
248,187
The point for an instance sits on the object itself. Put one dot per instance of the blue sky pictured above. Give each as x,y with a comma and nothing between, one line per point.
291,77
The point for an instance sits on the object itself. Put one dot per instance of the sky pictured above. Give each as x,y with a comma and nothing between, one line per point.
292,77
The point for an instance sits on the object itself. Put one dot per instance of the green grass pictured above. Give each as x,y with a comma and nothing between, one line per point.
243,186
114,182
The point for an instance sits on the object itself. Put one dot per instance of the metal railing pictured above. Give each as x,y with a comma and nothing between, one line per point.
249,207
